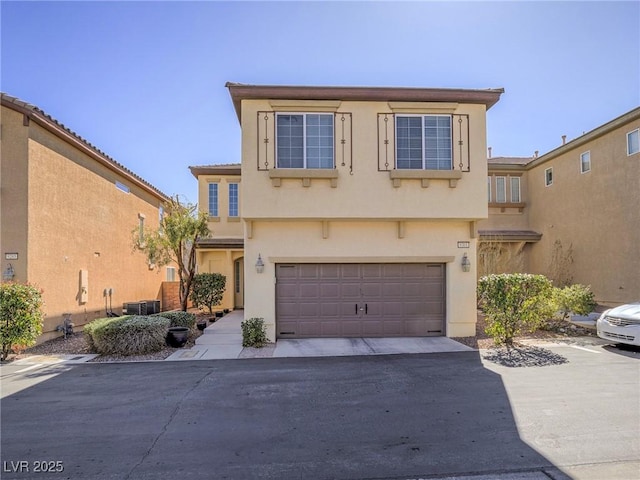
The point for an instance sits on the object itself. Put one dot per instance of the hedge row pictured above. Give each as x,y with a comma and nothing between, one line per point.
134,335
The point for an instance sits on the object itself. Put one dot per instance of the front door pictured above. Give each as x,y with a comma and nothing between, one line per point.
238,283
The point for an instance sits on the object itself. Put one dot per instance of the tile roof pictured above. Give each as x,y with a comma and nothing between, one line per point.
65,133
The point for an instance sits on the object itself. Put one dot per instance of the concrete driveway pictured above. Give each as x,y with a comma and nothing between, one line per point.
383,417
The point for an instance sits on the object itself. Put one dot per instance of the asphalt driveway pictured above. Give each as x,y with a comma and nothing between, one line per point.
393,416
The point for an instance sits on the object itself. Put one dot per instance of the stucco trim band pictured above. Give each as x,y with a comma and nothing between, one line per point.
305,174
398,259
453,176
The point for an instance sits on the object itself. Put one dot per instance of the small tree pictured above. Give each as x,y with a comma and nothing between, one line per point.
21,316
514,303
175,241
207,290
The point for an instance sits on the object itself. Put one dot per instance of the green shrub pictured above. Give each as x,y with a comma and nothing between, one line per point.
21,316
179,319
514,303
577,299
207,290
253,333
91,327
129,335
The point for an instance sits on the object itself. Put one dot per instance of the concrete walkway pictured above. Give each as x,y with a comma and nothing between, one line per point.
223,340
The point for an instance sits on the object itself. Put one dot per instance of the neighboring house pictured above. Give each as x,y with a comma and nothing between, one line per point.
66,219
359,209
572,214
223,252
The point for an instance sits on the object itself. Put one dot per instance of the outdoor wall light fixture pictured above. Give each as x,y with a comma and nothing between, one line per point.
466,264
259,264
8,273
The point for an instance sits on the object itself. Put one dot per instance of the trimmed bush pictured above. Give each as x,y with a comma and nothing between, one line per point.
207,290
98,323
21,316
577,299
179,319
514,303
129,335
253,333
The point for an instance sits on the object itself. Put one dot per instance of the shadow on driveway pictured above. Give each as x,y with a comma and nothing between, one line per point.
394,416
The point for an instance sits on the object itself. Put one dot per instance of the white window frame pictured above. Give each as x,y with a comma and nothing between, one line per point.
501,193
489,188
171,274
141,217
423,138
122,187
548,176
304,139
585,159
634,133
514,192
236,201
213,195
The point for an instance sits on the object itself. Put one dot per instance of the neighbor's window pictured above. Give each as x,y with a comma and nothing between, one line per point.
489,189
122,186
515,189
171,274
213,199
548,176
304,140
423,142
501,189
141,218
633,142
233,199
585,162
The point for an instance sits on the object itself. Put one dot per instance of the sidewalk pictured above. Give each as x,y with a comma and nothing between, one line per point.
223,340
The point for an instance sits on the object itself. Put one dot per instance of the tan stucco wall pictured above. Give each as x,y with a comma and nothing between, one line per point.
222,226
78,221
13,192
598,213
368,193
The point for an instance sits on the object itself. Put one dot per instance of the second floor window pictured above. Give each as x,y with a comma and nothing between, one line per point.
585,162
423,142
501,189
233,199
213,199
633,142
304,140
515,189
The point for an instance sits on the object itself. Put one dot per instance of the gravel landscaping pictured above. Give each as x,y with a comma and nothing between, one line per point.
76,344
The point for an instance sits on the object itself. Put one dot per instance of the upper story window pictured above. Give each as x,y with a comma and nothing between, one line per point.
548,177
501,189
423,142
489,189
233,200
515,189
633,142
121,186
585,162
213,199
304,140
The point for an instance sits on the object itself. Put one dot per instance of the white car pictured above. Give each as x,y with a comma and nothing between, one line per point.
621,324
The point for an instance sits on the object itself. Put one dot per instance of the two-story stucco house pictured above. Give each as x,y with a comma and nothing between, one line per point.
359,209
572,214
66,218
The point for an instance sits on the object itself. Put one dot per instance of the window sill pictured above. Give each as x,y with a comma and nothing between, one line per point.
504,205
213,219
233,219
305,174
425,176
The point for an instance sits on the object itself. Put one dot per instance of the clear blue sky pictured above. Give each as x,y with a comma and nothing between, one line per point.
144,81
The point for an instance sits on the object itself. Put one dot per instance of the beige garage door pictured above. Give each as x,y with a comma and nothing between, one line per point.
360,300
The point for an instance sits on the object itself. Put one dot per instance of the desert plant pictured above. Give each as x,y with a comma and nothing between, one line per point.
179,319
577,299
175,241
561,264
207,290
21,316
129,335
254,333
514,303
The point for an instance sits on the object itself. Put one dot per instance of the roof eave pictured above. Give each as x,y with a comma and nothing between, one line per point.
241,92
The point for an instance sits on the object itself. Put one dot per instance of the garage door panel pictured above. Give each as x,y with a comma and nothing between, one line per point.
355,300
